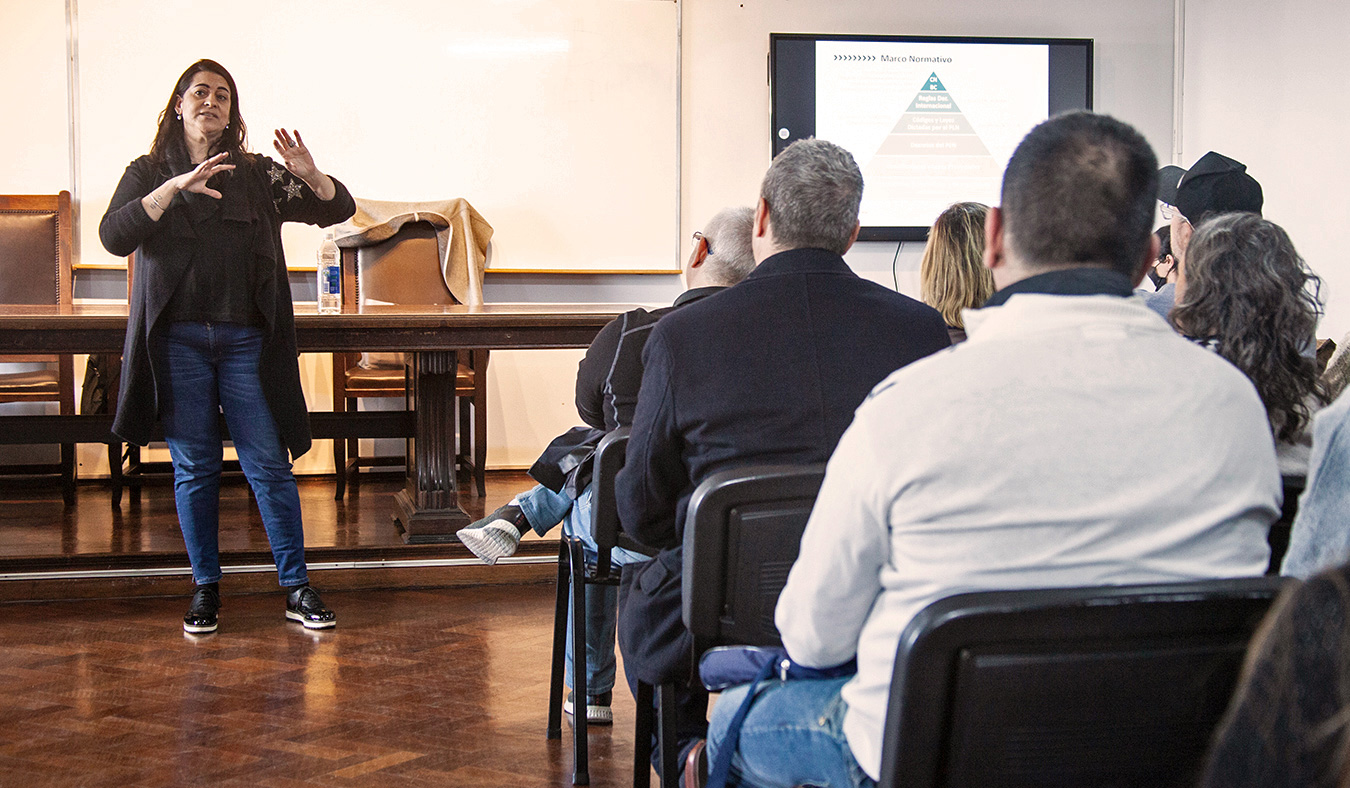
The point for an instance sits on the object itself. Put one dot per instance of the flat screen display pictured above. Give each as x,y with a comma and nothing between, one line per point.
930,120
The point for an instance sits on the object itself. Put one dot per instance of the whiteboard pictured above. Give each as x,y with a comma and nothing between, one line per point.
556,119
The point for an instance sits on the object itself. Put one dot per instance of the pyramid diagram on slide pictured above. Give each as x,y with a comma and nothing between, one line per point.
932,137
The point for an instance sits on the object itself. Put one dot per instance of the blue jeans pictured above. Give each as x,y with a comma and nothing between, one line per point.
213,368
545,509
793,735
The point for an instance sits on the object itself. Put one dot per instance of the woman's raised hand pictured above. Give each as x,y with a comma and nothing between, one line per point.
294,154
195,181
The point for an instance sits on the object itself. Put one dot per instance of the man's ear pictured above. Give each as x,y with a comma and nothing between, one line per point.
854,237
1141,271
700,254
761,227
995,256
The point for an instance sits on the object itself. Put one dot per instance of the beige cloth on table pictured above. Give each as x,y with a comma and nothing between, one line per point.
462,237
1337,373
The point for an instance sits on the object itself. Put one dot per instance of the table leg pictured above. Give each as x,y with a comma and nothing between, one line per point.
427,509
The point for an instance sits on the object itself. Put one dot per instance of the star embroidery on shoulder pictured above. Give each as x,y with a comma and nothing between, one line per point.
276,173
276,203
293,190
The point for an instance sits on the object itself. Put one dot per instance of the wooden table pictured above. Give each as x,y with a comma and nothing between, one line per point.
427,508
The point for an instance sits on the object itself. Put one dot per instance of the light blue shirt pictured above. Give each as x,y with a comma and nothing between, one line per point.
1320,537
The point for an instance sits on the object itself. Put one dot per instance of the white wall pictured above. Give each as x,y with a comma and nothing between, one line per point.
34,132
725,146
1263,85
726,95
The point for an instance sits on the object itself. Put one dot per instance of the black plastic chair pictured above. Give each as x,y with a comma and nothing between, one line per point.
1281,529
573,576
1103,686
742,533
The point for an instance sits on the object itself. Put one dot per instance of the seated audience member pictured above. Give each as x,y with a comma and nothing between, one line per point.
1164,271
952,276
1320,535
607,387
1247,295
769,371
1016,459
1215,184
1288,725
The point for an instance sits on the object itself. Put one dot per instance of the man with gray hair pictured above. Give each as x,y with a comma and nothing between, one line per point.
769,371
1017,460
607,391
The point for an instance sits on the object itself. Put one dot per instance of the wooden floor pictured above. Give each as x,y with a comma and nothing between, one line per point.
52,551
443,687
430,678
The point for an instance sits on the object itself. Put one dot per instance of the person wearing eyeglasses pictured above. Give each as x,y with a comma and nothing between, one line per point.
607,391
1164,270
1214,185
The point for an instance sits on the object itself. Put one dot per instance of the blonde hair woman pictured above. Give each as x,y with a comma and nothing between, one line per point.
952,276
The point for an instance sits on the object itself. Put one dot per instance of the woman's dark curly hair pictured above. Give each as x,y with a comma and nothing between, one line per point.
1249,293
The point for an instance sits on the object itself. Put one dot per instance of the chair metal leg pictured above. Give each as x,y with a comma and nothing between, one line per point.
340,468
555,686
642,736
667,742
480,445
135,467
115,472
581,774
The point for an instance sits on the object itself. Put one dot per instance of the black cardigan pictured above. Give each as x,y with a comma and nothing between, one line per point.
259,195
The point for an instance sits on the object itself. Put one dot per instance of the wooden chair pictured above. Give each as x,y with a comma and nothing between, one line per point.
35,268
742,533
404,269
1113,686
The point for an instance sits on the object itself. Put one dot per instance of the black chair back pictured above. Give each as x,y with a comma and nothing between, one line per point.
742,533
608,461
1104,686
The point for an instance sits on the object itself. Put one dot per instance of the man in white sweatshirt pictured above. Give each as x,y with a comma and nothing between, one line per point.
1017,459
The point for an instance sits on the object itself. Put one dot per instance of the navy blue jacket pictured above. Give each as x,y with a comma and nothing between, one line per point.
769,371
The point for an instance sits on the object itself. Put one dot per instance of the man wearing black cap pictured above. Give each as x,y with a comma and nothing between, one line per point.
1215,184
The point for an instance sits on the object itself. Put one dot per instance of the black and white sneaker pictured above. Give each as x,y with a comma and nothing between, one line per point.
304,605
598,711
495,536
202,615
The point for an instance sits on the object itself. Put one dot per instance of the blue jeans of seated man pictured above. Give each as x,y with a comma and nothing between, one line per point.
213,368
545,509
793,735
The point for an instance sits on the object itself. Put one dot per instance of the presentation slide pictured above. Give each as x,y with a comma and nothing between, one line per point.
929,123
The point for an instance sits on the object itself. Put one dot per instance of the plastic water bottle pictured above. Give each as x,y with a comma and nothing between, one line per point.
330,277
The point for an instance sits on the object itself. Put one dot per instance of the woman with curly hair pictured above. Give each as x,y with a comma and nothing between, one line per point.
952,275
1245,293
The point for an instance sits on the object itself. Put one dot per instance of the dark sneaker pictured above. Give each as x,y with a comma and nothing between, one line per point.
202,613
304,605
495,536
598,711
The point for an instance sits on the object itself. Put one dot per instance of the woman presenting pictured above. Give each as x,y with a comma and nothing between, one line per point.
211,328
